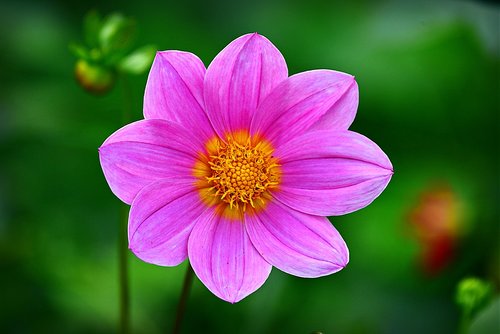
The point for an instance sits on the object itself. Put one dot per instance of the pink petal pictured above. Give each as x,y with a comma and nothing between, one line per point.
174,91
328,98
331,173
145,151
297,243
241,76
224,259
161,219
341,115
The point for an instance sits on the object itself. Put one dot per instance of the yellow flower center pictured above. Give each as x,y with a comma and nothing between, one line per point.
240,172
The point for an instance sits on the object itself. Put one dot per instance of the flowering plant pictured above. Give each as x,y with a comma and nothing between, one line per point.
236,166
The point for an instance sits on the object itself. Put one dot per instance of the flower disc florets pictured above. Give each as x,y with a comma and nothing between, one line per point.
241,174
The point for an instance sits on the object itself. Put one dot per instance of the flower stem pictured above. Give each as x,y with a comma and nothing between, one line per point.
464,325
123,271
181,307
124,325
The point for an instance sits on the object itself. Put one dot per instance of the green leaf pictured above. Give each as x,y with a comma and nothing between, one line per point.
138,61
486,320
117,34
92,24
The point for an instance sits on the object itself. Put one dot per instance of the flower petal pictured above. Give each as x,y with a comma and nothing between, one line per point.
328,98
224,259
145,151
239,78
297,243
328,173
174,91
160,221
341,115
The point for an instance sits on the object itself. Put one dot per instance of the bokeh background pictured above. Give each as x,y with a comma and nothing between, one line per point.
428,74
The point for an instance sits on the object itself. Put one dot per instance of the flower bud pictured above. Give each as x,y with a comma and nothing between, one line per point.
472,295
94,78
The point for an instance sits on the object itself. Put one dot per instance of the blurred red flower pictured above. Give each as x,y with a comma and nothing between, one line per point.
437,223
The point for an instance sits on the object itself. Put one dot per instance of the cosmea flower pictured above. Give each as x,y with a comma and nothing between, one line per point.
236,166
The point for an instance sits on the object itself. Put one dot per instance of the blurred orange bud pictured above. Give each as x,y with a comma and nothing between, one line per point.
437,221
94,78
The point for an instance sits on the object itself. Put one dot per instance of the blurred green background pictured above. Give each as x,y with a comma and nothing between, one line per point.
428,74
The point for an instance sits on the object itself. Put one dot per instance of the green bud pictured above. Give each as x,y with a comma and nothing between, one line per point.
472,295
107,52
94,78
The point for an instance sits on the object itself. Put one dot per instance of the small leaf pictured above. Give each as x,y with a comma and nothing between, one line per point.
117,34
92,24
138,61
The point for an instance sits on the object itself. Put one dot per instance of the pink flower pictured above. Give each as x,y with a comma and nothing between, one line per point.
235,167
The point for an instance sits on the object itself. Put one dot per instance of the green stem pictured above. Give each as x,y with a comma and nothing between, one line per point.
123,271
181,307
464,323
124,325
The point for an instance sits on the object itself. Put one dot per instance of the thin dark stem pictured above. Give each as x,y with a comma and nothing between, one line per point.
124,325
181,307
123,271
